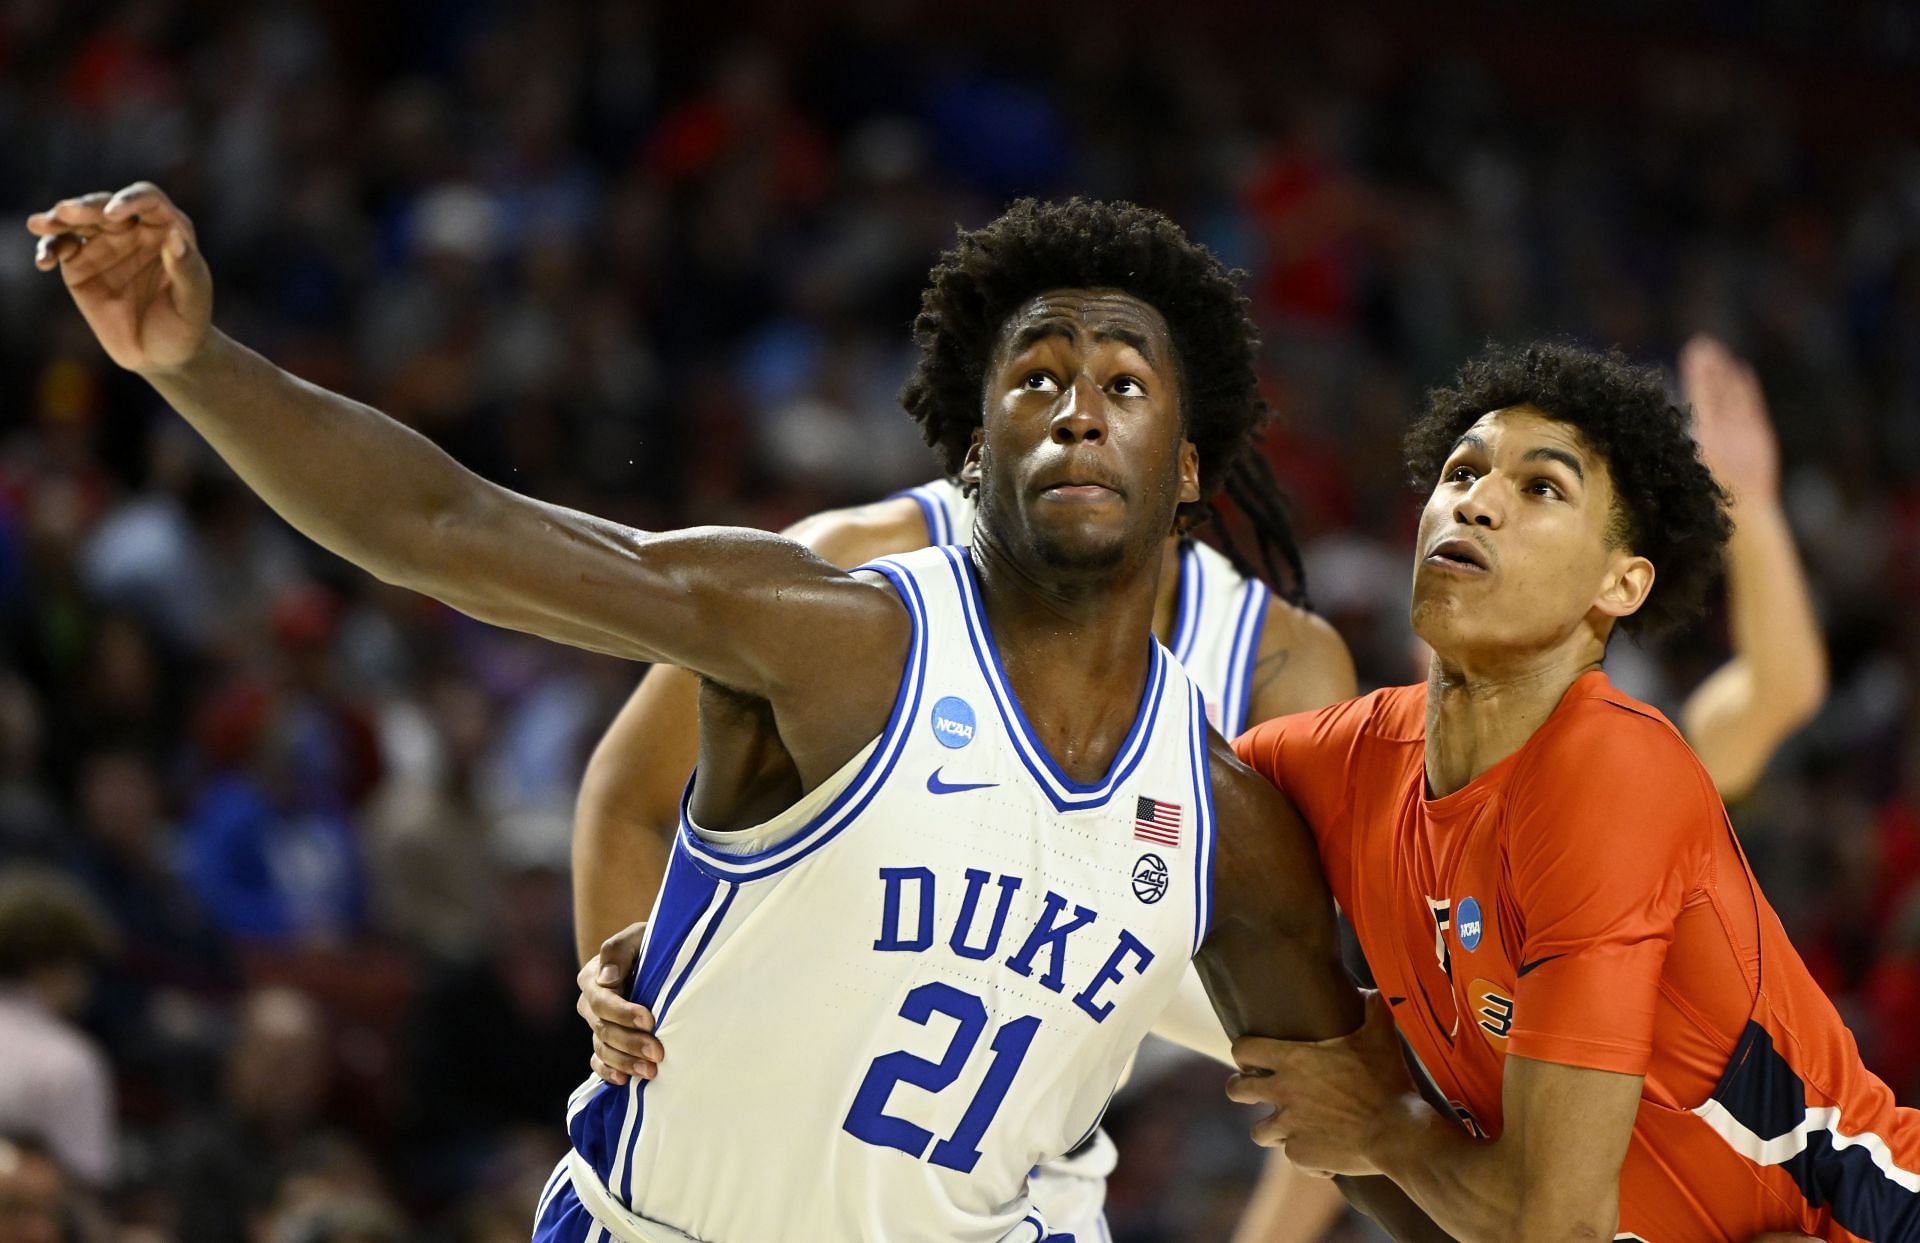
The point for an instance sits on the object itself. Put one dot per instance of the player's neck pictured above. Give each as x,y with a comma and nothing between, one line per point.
1481,711
1076,655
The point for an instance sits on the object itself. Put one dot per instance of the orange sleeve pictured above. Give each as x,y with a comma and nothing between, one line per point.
1607,833
1309,756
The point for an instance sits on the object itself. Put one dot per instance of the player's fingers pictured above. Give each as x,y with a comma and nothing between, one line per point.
620,953
82,210
606,1072
1270,1131
629,1042
610,1007
52,250
145,202
1259,1053
1253,1089
632,1061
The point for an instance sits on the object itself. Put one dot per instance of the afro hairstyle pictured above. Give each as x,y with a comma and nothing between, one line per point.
1666,507
1085,244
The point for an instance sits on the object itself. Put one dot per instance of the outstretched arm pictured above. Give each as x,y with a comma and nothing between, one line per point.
748,609
1777,677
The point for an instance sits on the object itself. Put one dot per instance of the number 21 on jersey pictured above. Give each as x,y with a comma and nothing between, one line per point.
868,1119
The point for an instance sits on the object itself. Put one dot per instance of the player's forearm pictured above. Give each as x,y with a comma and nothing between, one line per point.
617,868
1380,1199
1479,1191
1774,626
1777,677
1470,1188
352,479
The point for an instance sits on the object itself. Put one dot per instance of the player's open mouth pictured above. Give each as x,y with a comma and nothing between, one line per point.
1459,555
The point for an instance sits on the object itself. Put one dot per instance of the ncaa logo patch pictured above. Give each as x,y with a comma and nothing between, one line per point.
953,722
1466,923
1150,879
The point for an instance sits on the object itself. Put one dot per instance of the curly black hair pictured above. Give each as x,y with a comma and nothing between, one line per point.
1667,507
1085,244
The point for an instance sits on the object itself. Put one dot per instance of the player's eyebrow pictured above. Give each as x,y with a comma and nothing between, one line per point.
1550,454
1471,441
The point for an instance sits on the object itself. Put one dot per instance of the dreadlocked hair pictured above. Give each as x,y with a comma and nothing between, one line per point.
1251,488
1085,244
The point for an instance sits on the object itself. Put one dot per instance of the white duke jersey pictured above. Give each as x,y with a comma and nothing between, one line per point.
885,1006
1217,620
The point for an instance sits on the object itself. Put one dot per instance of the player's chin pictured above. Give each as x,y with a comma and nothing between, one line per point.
1082,547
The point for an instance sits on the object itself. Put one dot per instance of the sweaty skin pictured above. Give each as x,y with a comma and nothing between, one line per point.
1083,462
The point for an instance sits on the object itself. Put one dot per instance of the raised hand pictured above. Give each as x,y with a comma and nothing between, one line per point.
134,269
1730,420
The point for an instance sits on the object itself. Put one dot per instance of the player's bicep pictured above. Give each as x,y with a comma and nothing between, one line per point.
749,609
1571,1126
1271,958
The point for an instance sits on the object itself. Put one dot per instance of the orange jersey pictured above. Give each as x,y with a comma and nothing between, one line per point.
1585,902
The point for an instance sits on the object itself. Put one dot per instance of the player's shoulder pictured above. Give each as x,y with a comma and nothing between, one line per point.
859,533
1605,735
1596,712
1394,716
1302,663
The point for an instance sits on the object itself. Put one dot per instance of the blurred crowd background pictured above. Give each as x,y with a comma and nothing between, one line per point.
284,931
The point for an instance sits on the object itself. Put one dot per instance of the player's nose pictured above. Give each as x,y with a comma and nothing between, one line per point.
1480,505
1081,415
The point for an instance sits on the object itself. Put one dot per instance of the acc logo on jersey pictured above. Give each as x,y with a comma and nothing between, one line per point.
1150,879
1492,1011
953,722
1466,919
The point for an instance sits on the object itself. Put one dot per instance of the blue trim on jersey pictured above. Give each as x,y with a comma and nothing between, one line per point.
933,511
686,897
1191,593
1062,791
1766,1095
1246,645
850,802
1202,820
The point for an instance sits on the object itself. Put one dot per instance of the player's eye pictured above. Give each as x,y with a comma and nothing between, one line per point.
1040,382
1545,487
1129,386
1462,474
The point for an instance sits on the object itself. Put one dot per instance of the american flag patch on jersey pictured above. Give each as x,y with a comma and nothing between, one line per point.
1155,821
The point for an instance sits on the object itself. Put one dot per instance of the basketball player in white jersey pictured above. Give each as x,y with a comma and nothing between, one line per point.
1254,655
958,820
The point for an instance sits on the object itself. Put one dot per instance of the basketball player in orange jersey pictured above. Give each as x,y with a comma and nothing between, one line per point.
1734,720
1544,881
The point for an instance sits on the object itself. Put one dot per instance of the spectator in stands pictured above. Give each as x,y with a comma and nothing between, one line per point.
54,1080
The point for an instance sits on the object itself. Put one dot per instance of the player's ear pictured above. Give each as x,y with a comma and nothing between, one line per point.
970,465
1189,473
1628,584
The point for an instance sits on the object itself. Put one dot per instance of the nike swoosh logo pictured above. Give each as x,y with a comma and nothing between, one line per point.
937,786
1528,966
